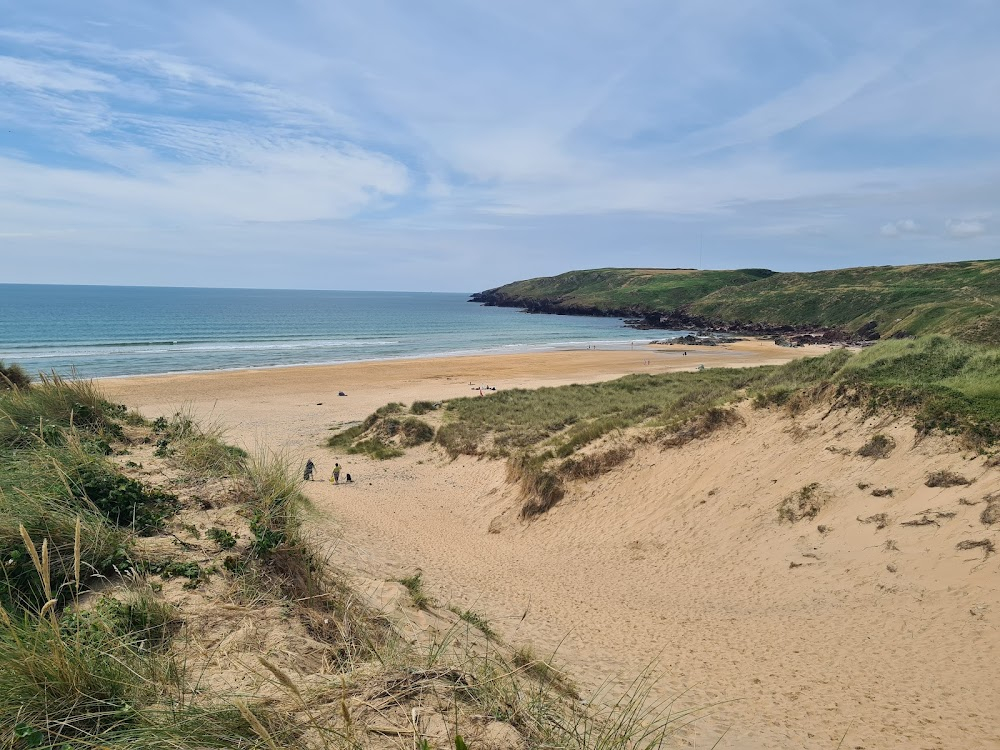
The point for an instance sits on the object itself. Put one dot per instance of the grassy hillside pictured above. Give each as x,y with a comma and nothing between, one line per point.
956,298
625,289
961,299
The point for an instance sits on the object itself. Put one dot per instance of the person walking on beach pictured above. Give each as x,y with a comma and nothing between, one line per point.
310,468
336,474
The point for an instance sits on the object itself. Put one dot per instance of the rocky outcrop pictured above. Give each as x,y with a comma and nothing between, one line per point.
680,319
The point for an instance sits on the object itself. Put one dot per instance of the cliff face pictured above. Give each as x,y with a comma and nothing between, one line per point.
678,319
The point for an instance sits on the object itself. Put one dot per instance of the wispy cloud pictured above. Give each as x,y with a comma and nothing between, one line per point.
533,136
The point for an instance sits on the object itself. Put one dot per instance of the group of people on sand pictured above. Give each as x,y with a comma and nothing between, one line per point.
310,470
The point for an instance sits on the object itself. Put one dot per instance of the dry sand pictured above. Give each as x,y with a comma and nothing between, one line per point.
888,636
295,407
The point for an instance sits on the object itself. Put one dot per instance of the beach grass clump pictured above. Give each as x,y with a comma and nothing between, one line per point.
877,446
102,677
423,407
804,503
73,682
701,426
44,494
345,439
593,465
270,490
198,446
376,448
414,584
413,431
477,621
13,376
541,487
383,435
46,411
945,478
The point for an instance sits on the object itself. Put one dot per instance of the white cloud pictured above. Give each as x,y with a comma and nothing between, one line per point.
964,228
48,76
791,129
900,227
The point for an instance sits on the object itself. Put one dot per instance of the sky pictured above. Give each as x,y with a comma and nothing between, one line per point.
459,145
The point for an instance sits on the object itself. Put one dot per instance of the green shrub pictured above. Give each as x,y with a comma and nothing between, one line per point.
125,502
221,537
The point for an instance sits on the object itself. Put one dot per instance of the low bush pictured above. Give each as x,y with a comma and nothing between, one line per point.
125,502
221,537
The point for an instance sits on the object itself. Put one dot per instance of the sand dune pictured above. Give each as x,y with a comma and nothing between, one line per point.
879,628
886,634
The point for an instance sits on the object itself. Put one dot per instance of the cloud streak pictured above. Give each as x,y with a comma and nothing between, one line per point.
535,137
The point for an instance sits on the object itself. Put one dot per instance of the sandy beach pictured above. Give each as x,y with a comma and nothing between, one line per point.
799,636
295,407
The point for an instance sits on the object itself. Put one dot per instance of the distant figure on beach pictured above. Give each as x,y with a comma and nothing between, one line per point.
336,474
348,480
310,468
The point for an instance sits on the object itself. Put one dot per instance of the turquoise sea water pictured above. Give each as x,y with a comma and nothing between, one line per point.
106,331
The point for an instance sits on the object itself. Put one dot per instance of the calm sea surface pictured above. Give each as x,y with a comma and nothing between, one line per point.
105,331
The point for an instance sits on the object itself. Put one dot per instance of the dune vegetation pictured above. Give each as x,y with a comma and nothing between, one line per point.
135,556
550,436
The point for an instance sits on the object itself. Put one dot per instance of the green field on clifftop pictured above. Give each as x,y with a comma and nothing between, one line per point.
962,299
623,289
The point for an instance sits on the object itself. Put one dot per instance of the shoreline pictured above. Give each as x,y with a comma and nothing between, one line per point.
515,349
296,405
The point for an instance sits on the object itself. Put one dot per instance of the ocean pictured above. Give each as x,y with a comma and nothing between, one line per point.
102,331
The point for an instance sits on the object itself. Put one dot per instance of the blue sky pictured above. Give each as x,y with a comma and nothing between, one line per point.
455,146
